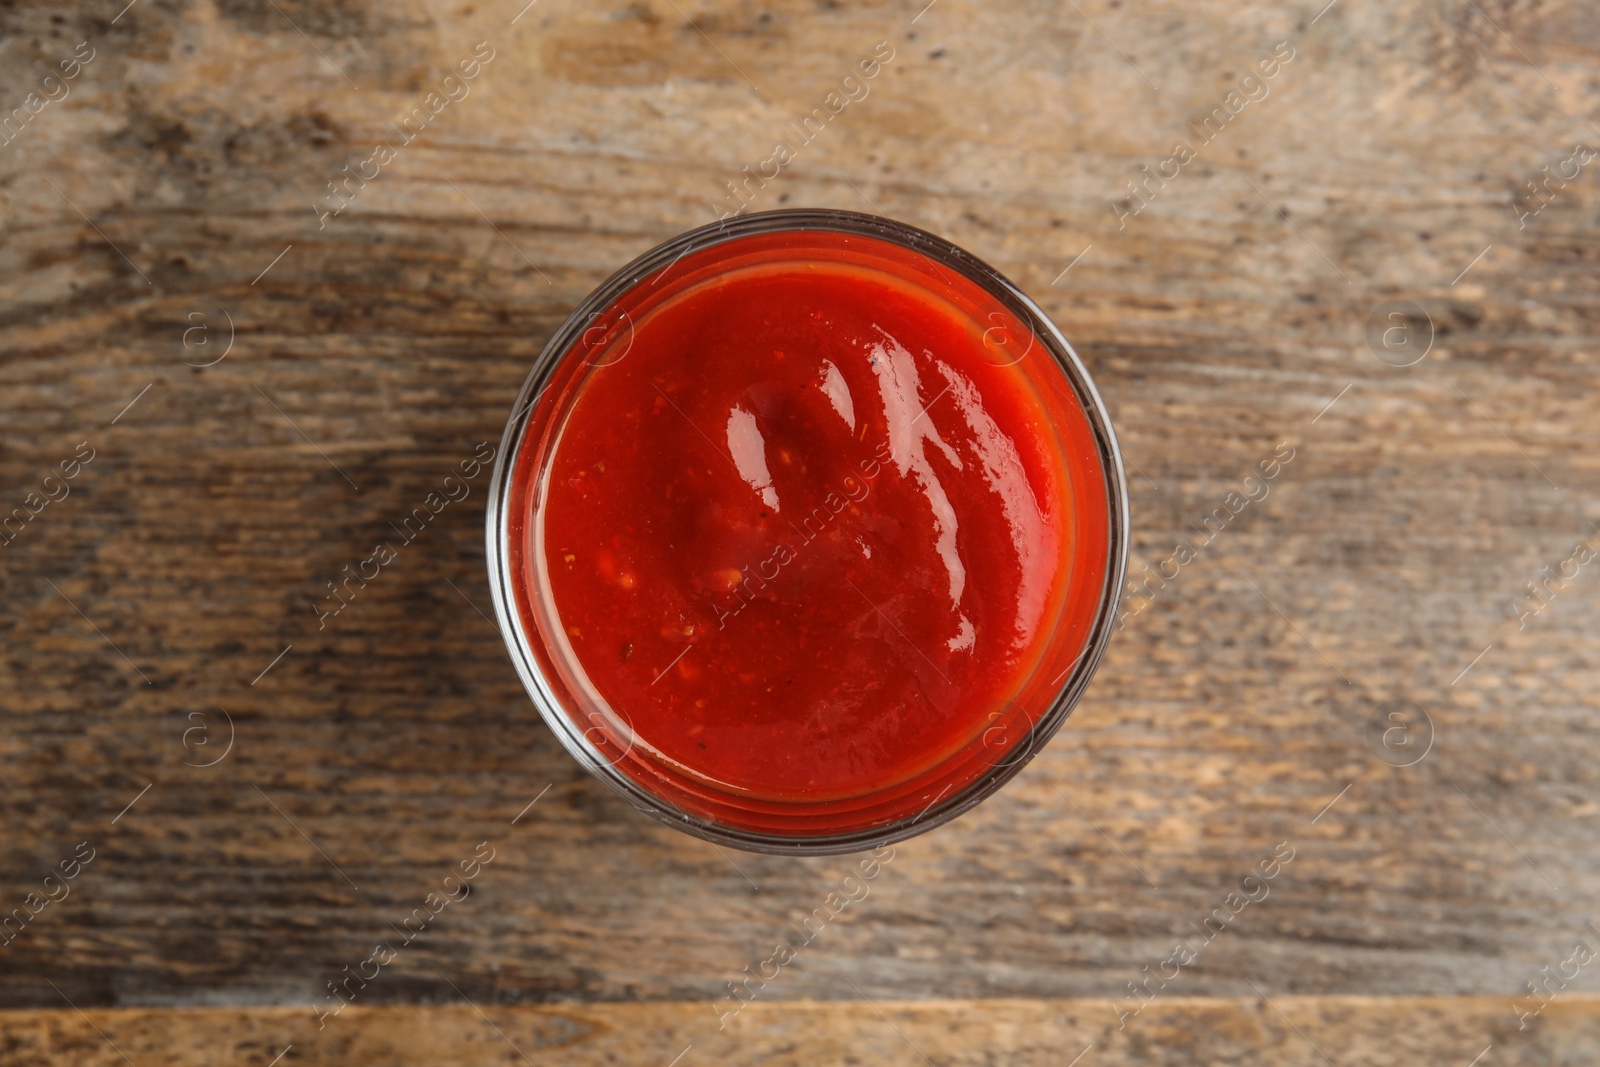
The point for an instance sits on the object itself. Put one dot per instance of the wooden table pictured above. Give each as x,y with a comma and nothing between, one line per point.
264,385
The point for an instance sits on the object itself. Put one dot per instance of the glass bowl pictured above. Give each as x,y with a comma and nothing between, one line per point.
1015,342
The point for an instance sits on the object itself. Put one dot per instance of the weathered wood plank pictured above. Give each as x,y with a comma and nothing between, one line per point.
1285,1032
393,339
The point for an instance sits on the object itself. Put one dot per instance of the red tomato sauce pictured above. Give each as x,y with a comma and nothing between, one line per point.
811,531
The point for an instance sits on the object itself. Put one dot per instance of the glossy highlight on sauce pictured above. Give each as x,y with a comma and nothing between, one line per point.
810,529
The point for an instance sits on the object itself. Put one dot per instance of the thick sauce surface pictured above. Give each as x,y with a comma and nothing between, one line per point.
808,531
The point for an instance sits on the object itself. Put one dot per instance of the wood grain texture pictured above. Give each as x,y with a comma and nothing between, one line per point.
175,187
1282,1032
